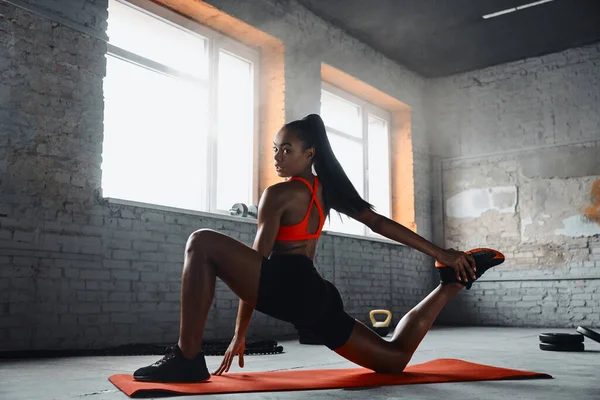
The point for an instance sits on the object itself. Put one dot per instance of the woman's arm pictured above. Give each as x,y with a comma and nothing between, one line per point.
393,230
243,319
462,263
270,210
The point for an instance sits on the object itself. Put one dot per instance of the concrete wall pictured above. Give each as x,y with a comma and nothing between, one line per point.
516,157
77,271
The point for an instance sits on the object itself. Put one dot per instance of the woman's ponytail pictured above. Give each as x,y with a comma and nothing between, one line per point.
340,194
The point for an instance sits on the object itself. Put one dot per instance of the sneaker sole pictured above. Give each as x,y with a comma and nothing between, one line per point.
150,379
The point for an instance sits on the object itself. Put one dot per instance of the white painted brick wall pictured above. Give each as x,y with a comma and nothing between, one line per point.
533,102
76,271
530,114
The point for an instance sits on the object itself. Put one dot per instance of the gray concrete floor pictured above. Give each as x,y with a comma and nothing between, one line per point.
576,375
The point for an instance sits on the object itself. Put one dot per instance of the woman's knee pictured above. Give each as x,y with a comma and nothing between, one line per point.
393,368
368,350
394,362
200,240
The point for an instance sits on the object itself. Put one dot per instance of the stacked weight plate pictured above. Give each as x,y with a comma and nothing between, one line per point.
561,342
567,341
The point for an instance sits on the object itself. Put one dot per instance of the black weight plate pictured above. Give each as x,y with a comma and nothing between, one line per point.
562,347
589,333
561,338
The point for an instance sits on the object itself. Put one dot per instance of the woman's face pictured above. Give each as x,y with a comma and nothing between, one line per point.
288,155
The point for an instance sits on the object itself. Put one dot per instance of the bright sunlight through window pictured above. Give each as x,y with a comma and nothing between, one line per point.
359,136
179,116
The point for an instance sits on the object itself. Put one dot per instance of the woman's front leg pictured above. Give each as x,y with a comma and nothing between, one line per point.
197,292
209,254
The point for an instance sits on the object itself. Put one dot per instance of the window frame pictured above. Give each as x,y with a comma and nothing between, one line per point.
216,42
366,109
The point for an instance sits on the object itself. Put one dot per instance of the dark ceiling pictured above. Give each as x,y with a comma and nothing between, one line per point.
445,37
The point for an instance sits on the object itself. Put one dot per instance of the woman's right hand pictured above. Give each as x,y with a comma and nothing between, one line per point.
236,347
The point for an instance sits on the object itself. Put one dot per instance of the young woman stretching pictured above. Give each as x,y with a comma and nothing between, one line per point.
277,276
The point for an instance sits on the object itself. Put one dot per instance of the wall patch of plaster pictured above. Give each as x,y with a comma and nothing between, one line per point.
473,203
524,222
578,226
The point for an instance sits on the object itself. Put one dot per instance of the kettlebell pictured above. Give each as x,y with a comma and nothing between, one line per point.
382,328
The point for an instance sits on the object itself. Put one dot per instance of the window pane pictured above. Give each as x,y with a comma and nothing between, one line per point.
235,138
350,155
149,37
379,165
340,114
153,150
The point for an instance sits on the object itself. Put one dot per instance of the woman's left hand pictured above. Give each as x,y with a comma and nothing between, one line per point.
236,348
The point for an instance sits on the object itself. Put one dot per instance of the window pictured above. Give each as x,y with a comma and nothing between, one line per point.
359,135
179,116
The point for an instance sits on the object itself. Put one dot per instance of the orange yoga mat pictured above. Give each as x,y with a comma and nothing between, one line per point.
435,371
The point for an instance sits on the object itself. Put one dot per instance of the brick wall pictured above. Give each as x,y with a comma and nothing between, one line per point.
87,15
78,271
516,158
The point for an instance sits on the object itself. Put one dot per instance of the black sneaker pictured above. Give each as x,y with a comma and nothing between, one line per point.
484,259
174,367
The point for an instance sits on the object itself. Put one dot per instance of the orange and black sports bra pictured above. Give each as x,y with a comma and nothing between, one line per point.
300,231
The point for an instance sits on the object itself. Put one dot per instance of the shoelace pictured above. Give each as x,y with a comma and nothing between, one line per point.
169,354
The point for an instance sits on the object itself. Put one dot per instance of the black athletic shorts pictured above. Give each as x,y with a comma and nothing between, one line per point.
291,289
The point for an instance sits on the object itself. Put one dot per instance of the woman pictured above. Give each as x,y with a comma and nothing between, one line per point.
277,277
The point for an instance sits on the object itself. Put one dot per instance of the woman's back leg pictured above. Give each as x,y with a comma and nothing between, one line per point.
369,350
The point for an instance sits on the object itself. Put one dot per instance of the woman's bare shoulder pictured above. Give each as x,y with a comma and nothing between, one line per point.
276,193
286,187
284,193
